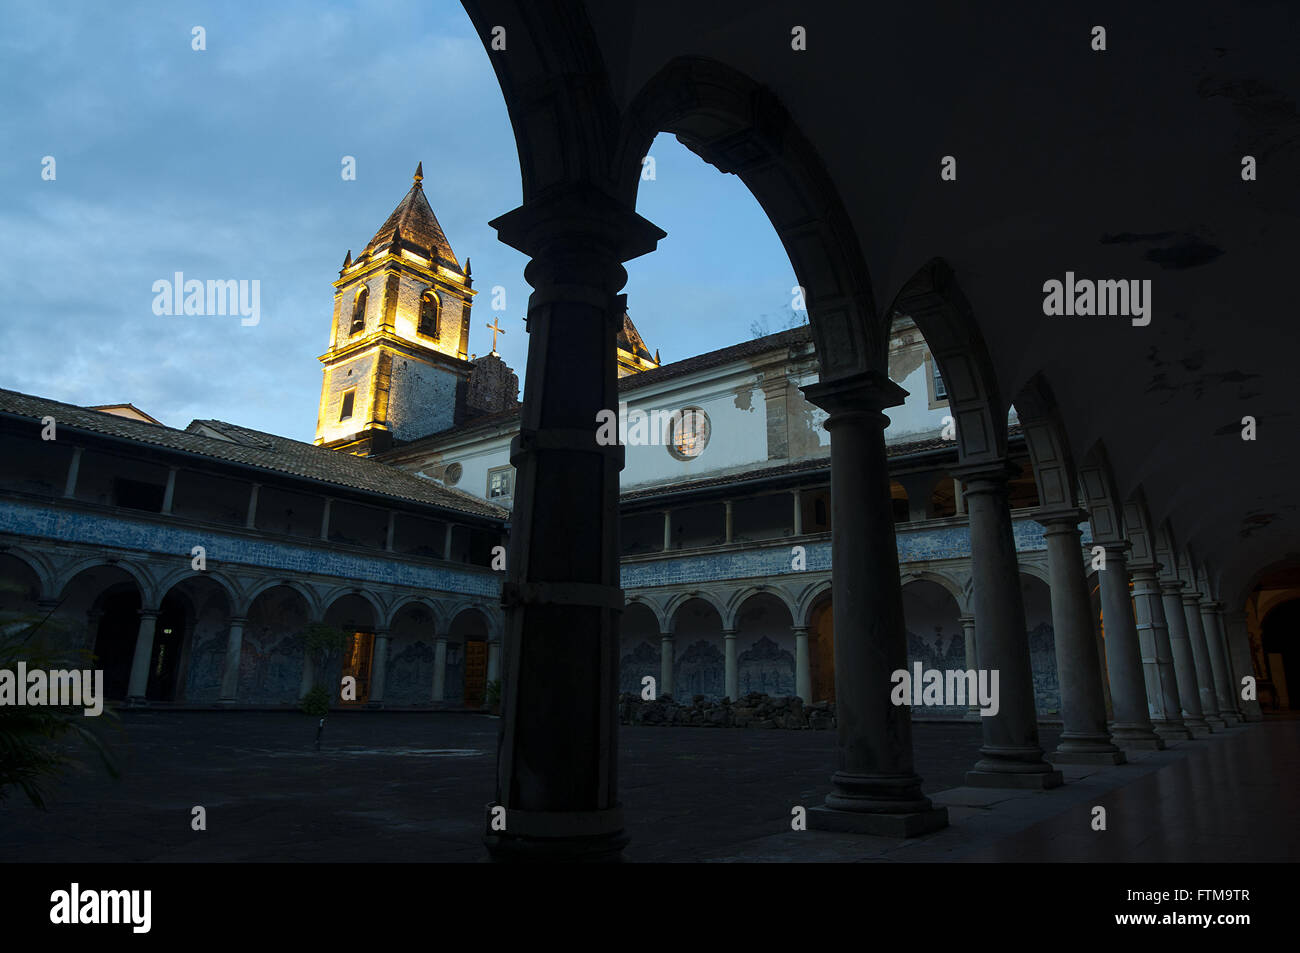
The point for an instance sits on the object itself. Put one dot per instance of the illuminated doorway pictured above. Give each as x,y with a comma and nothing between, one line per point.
821,653
475,673
357,653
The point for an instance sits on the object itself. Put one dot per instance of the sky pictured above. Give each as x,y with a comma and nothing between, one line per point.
226,163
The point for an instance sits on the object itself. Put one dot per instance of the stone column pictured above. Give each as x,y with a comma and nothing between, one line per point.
1132,728
1184,661
802,665
1012,756
169,494
798,513
968,633
139,683
727,523
668,530
876,790
729,655
378,670
1201,655
1085,738
392,529
665,663
230,672
1157,654
494,660
446,543
250,520
1234,625
74,467
1218,663
557,764
325,519
440,668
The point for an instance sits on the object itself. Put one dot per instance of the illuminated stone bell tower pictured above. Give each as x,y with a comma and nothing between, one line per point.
396,363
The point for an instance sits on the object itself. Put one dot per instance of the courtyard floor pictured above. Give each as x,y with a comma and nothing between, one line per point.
413,787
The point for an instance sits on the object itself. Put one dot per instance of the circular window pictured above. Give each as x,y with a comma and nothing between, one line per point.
688,433
451,476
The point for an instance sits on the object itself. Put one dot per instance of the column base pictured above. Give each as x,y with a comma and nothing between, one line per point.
1230,718
1200,731
1038,780
1215,722
1172,732
1065,756
375,705
227,702
1141,744
135,701
557,836
912,824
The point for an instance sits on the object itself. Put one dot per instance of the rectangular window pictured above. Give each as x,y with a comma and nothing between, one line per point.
501,483
940,391
346,412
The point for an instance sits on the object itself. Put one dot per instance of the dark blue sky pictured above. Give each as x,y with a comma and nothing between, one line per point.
226,163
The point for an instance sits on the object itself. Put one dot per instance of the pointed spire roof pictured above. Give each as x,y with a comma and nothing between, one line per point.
416,225
629,339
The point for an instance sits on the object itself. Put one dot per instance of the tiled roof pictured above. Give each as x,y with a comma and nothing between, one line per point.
257,449
770,342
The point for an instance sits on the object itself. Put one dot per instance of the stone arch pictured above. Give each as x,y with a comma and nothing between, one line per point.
310,597
1049,451
401,602
738,598
1036,593
332,597
681,598
661,617
932,614
272,662
933,299
640,650
741,127
1097,484
219,579
765,644
39,566
468,634
567,134
811,594
953,588
201,604
139,573
698,645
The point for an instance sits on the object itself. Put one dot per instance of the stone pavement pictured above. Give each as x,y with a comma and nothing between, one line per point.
412,787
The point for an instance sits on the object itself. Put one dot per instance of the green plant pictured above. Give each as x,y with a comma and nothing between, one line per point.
34,749
320,641
316,702
493,693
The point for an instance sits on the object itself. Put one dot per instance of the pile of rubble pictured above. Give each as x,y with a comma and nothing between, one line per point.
754,710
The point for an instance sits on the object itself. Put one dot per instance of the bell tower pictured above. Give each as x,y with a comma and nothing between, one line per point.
397,354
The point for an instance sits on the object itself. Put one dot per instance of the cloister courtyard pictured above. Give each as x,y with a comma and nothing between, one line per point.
413,787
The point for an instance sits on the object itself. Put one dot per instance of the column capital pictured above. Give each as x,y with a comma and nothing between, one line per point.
966,620
799,629
1115,548
577,213
238,620
986,476
728,633
1060,519
1210,605
149,614
863,392
1171,586
1145,570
